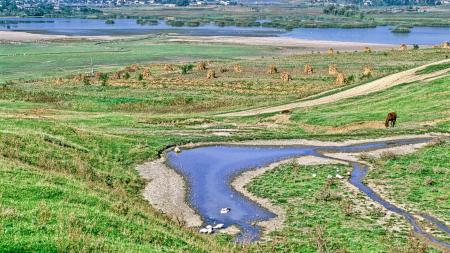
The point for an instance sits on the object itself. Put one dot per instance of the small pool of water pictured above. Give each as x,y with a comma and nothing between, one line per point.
209,171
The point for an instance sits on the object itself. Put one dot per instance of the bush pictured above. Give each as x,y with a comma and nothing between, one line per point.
186,68
103,78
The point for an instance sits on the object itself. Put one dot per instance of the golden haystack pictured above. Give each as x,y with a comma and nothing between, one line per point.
118,74
146,74
340,79
330,51
367,50
78,78
237,68
446,45
308,69
201,65
367,71
168,67
272,69
59,81
403,47
132,68
211,74
285,76
332,69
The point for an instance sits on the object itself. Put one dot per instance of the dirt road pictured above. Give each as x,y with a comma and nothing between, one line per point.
374,86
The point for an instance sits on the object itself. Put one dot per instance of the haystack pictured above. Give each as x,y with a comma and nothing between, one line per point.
118,74
367,50
332,69
340,79
211,74
146,74
445,45
201,66
132,68
98,75
330,51
168,67
78,78
237,68
272,70
59,81
285,76
308,69
367,71
403,47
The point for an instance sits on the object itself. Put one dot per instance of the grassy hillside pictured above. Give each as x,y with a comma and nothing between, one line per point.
68,150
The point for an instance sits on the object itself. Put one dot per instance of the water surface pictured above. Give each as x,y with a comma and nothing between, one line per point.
93,27
209,171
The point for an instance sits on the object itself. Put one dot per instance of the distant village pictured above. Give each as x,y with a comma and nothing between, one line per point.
80,4
29,4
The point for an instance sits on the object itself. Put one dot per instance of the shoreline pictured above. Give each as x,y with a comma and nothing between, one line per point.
18,36
278,41
167,191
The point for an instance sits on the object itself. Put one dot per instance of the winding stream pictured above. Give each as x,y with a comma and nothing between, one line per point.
209,171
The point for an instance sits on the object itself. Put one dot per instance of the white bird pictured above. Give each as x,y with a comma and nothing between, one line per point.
339,176
225,210
203,231
219,226
177,150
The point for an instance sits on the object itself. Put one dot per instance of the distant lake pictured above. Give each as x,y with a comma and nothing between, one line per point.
93,27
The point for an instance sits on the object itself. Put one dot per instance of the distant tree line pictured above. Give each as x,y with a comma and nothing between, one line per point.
176,2
347,11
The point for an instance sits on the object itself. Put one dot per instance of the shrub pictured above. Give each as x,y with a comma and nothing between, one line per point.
186,68
103,78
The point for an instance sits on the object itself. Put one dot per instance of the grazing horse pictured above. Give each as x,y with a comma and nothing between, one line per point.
391,117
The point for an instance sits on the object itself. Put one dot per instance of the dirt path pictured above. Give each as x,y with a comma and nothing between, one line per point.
374,86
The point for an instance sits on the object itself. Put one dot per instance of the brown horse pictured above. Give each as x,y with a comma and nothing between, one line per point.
391,118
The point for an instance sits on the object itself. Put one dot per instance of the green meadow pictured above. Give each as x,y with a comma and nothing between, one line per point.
68,150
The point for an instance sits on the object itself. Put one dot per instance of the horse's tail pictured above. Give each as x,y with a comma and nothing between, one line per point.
386,123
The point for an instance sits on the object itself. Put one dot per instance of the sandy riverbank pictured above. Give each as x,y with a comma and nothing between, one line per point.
321,45
12,36
303,44
166,190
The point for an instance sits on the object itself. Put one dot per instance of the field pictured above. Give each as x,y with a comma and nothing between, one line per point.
44,59
69,147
